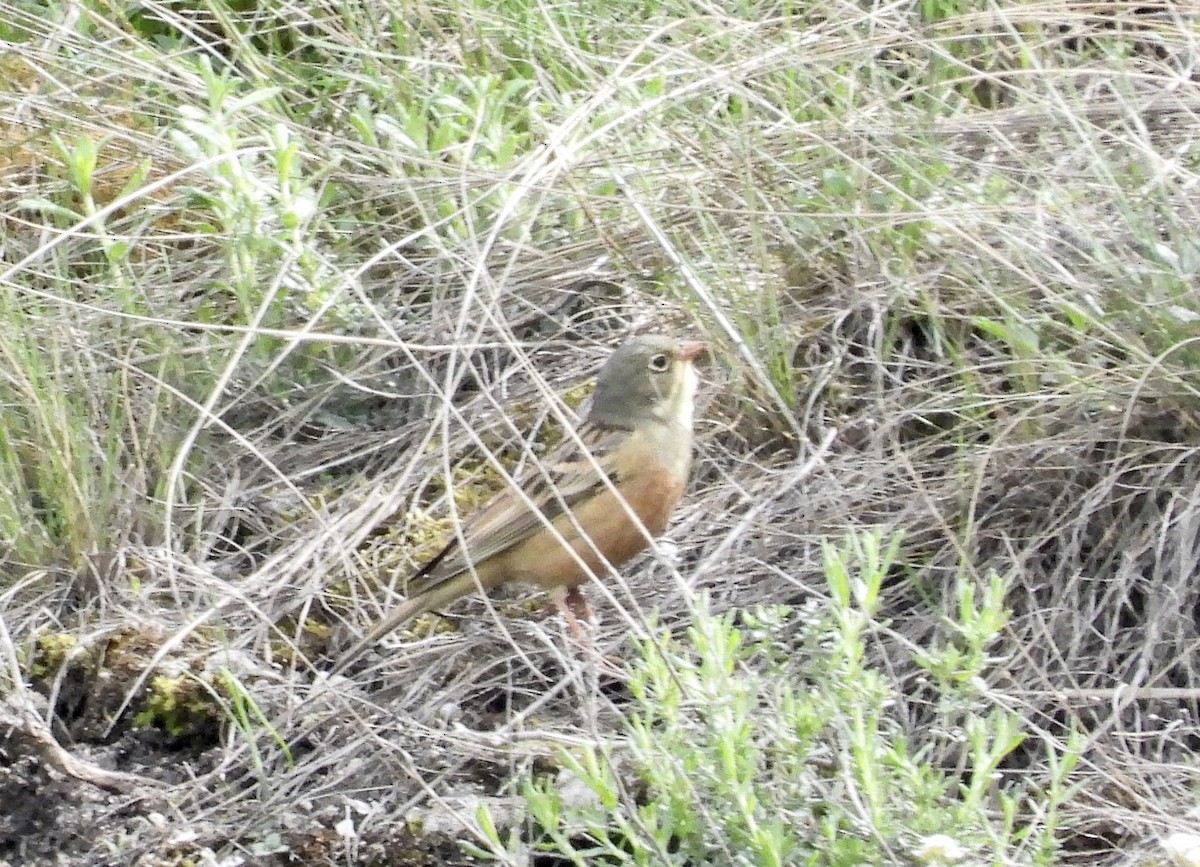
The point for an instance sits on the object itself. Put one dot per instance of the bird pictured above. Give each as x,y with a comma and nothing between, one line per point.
638,432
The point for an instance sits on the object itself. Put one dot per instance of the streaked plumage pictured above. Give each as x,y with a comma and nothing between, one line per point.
638,431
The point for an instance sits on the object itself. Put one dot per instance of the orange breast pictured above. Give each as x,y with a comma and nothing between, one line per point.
612,534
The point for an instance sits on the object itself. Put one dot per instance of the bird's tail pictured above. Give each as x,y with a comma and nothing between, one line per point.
437,596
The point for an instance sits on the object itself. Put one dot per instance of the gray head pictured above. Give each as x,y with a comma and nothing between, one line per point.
648,378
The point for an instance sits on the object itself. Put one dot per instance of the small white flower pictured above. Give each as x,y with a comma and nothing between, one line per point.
1183,848
940,849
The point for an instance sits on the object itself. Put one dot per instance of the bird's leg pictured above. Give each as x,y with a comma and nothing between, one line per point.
581,620
574,607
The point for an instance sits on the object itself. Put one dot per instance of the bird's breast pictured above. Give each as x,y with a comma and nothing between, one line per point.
652,472
608,529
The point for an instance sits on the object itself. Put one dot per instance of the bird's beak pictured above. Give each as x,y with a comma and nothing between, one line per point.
692,349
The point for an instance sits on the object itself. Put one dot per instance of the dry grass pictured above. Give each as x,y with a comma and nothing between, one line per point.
946,258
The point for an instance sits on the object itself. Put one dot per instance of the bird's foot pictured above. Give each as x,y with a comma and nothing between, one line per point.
576,611
582,622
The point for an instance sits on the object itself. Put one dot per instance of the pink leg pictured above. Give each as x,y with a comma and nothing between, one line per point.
578,613
574,607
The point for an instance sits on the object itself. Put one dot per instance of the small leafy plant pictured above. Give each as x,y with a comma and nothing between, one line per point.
771,739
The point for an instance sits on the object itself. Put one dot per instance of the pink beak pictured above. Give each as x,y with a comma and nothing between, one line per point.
692,349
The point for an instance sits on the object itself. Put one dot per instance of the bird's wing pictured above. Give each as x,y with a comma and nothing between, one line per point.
564,479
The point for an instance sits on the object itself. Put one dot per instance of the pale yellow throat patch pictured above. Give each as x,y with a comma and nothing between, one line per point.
678,408
687,397
671,438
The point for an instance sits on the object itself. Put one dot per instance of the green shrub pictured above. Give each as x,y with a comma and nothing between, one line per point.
771,739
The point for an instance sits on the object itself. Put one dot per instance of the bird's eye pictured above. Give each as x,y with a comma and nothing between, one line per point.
659,363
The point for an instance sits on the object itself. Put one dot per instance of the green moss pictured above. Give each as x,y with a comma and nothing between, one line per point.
53,651
182,706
